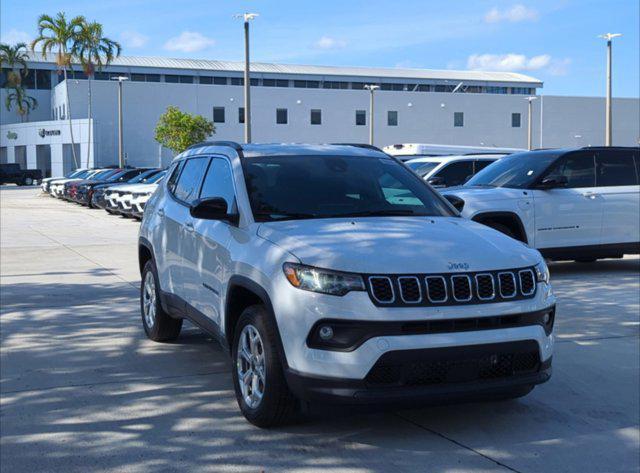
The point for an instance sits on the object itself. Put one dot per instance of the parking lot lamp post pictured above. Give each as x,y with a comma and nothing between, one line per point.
530,122
120,80
607,123
371,88
247,83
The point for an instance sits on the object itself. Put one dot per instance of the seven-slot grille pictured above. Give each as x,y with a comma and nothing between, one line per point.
451,288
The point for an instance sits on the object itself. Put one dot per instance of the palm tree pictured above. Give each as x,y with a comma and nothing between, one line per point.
94,51
23,102
15,58
58,36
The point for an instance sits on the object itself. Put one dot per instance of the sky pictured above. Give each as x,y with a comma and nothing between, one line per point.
554,41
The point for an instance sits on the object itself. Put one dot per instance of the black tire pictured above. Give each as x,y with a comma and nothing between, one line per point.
164,327
27,181
502,228
278,404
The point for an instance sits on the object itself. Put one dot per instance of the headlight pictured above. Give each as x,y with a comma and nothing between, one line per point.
324,281
542,272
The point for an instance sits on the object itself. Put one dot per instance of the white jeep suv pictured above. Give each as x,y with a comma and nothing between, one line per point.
334,273
576,204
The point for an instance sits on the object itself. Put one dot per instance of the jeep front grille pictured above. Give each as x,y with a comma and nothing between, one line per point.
451,288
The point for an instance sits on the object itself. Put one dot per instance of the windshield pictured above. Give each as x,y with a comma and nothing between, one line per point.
297,187
518,170
102,174
422,168
156,177
143,177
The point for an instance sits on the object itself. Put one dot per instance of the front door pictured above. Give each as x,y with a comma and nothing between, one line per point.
212,239
569,216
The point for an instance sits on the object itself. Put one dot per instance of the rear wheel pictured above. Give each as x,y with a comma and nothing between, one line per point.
158,325
258,379
27,181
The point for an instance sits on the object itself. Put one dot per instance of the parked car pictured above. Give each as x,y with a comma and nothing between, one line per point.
71,186
56,186
45,183
12,173
571,204
119,200
407,151
84,193
334,273
447,171
98,199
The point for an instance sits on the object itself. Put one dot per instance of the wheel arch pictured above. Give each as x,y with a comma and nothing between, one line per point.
510,219
243,292
145,253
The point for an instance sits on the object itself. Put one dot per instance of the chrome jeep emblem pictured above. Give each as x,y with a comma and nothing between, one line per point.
463,266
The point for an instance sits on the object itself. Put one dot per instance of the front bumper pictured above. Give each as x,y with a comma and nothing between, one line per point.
432,374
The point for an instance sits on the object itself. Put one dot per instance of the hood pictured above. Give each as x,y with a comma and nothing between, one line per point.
137,188
398,244
486,193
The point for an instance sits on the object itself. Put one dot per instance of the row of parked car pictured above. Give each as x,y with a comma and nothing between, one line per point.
121,191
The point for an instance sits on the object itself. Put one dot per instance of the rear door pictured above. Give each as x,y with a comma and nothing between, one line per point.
617,184
572,215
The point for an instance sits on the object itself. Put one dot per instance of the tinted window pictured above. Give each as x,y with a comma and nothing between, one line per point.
316,117
281,116
458,119
481,164
218,114
171,184
361,117
422,169
515,120
240,114
615,168
219,182
578,168
293,187
456,174
518,170
392,118
188,185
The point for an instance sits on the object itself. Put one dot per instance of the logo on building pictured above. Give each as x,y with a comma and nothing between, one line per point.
11,135
42,132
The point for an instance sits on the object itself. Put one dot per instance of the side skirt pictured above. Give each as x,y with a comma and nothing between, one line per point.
617,250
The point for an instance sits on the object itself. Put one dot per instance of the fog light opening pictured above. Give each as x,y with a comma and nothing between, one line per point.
547,318
325,332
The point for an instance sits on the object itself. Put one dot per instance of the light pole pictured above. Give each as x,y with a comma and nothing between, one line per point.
371,88
120,80
530,121
247,83
607,123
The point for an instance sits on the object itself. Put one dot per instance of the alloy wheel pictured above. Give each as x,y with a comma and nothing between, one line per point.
250,364
149,300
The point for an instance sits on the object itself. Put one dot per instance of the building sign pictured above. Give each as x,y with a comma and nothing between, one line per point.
11,135
42,132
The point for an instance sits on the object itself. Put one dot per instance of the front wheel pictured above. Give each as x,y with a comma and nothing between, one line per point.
258,379
27,181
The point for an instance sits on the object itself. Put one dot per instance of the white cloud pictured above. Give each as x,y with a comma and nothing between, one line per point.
189,42
14,36
507,62
327,42
514,14
133,39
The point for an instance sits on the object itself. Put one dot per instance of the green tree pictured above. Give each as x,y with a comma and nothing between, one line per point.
177,130
15,59
58,36
94,51
23,102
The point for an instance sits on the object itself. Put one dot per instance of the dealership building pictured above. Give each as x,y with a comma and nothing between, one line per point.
292,103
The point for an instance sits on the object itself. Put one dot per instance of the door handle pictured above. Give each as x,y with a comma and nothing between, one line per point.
188,227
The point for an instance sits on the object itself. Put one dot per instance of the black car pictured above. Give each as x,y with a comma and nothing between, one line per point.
98,200
84,191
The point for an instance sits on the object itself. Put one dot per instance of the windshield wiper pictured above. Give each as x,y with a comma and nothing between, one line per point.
382,213
284,215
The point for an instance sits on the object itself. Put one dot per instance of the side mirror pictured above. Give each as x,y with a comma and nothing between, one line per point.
212,208
437,181
550,182
457,202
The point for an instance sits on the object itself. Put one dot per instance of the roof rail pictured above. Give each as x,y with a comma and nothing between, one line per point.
230,144
609,147
360,145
